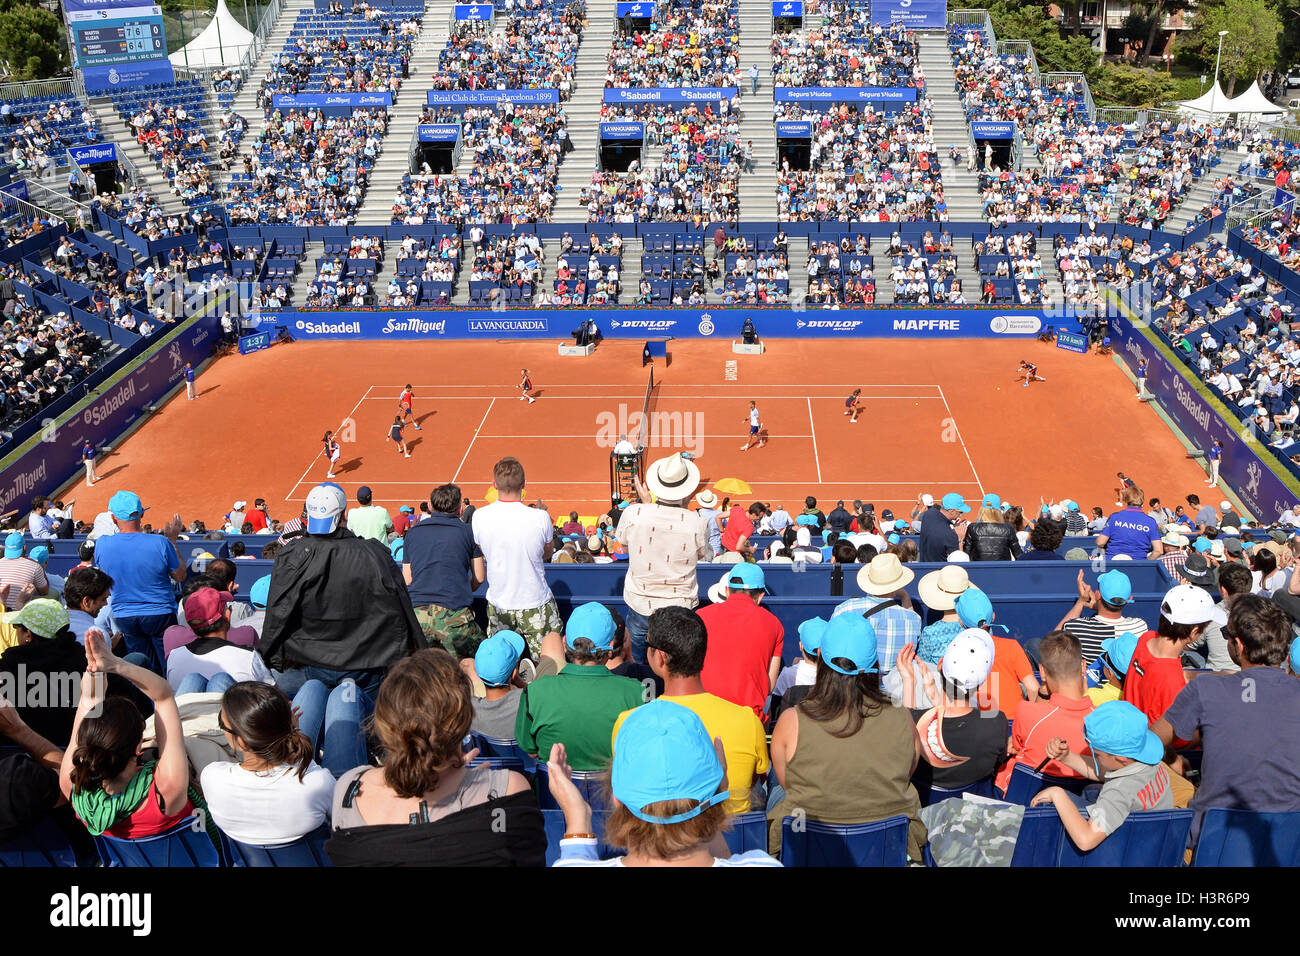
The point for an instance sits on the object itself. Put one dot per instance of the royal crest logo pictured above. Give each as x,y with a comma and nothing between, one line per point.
114,77
706,324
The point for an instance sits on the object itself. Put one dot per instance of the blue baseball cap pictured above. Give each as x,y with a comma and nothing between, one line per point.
955,502
811,633
497,657
260,592
810,520
1295,656
974,609
14,544
592,621
407,509
325,506
1119,651
398,549
1115,587
746,577
1071,505
40,554
126,506
1203,545
663,752
902,526
850,637
992,501
1119,728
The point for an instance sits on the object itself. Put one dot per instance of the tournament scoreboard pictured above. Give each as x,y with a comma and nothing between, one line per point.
122,35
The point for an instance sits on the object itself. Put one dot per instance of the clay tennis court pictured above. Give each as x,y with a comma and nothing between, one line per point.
939,416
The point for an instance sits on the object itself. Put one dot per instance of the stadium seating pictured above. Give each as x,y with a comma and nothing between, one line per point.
186,844
807,843
45,845
309,851
1248,838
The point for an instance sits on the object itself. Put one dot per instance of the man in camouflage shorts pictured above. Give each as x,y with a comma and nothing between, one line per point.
532,624
442,565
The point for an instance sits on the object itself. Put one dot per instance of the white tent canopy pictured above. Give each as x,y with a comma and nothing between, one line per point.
1254,101
223,42
1212,101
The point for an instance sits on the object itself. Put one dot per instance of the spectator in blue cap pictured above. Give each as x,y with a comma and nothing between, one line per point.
669,782
745,642
1126,757
943,528
795,681
257,597
844,754
496,662
143,567
21,578
578,706
1108,670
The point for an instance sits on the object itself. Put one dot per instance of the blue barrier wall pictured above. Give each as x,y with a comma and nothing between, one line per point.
1262,492
679,323
52,462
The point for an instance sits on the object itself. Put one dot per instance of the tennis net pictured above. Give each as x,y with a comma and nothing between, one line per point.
643,439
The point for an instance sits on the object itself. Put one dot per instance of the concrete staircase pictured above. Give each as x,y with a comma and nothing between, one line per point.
307,272
757,188
1202,192
960,188
245,103
404,116
114,129
583,112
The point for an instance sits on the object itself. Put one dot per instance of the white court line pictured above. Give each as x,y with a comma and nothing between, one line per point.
969,461
816,457
631,395
541,481
674,385
473,440
592,436
313,461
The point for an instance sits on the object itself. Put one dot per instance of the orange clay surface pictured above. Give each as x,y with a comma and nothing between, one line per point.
938,416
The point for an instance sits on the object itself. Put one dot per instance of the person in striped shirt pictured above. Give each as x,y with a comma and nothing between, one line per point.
1114,592
1175,552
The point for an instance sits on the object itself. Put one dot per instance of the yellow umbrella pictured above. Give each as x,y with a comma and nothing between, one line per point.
732,486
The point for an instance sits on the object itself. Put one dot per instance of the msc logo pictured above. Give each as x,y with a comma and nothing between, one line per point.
706,324
1015,324
904,3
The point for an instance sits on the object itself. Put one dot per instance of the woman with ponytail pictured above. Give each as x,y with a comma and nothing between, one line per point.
111,789
425,806
277,793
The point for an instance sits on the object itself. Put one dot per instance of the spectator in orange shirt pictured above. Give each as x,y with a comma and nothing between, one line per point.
1011,668
1060,715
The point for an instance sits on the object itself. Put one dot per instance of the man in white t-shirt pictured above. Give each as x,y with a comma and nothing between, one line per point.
210,654
516,542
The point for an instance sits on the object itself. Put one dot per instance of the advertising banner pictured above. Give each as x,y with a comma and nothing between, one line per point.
126,76
703,94
93,153
984,130
845,94
491,97
913,14
438,132
793,130
1261,491
303,101
622,131
1072,342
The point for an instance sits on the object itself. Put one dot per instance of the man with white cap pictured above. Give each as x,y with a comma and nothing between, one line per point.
664,541
235,517
337,608
887,605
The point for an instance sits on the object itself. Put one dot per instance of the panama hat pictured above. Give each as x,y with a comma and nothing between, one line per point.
884,575
673,478
940,589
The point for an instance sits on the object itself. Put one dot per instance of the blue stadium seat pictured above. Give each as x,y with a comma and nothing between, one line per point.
305,852
44,845
748,832
1150,838
932,794
185,845
1025,784
1248,838
883,843
1039,840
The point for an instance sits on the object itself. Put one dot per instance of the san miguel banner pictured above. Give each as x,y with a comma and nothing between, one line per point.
1263,493
844,94
913,14
303,101
94,153
385,325
57,456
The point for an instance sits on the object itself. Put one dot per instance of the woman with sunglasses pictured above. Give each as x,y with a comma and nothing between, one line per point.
277,793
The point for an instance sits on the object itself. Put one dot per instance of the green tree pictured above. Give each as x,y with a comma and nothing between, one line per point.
30,39
1288,15
1252,43
1033,22
1155,12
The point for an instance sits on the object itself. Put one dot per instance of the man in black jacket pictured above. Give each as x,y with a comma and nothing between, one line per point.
337,607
